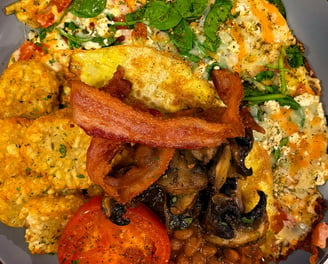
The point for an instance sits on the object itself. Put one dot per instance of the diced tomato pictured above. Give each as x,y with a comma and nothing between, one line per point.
46,17
28,50
60,4
89,237
318,239
320,235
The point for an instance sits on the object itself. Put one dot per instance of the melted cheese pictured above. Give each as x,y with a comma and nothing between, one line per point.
253,39
302,166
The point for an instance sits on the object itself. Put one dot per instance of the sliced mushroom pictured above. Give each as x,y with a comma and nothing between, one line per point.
185,174
181,203
227,225
220,168
240,147
160,202
204,155
114,211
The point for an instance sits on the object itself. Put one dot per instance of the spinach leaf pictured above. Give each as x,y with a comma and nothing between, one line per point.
161,15
182,36
190,9
136,16
265,75
87,8
294,56
279,4
218,14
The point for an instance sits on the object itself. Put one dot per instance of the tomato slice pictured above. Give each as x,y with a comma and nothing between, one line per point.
46,17
89,237
28,50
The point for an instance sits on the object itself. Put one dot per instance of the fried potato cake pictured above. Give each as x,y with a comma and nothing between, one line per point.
28,89
45,219
12,130
56,147
18,190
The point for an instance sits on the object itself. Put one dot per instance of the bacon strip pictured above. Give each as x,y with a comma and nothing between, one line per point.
150,164
231,92
102,115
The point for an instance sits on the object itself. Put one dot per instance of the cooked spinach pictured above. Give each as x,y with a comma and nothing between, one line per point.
87,8
264,75
182,36
218,14
294,56
191,9
174,17
161,15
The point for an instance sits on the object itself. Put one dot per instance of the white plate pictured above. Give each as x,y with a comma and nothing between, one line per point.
308,19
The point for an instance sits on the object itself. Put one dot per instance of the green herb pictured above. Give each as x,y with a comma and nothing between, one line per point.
77,41
246,220
218,14
283,85
87,8
294,56
264,75
81,176
254,96
277,152
71,26
62,151
52,61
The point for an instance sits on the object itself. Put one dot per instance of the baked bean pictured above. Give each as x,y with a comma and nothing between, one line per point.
192,245
213,260
176,244
231,255
183,234
198,258
182,259
209,250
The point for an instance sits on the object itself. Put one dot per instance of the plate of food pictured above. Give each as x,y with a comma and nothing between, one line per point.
163,131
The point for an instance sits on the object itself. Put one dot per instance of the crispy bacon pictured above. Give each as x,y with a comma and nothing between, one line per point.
231,92
102,115
249,121
148,165
117,86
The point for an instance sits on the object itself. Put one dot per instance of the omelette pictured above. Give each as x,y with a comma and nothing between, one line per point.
168,59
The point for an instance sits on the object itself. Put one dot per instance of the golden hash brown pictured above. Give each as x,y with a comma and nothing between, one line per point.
18,190
28,89
45,219
56,147
12,130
